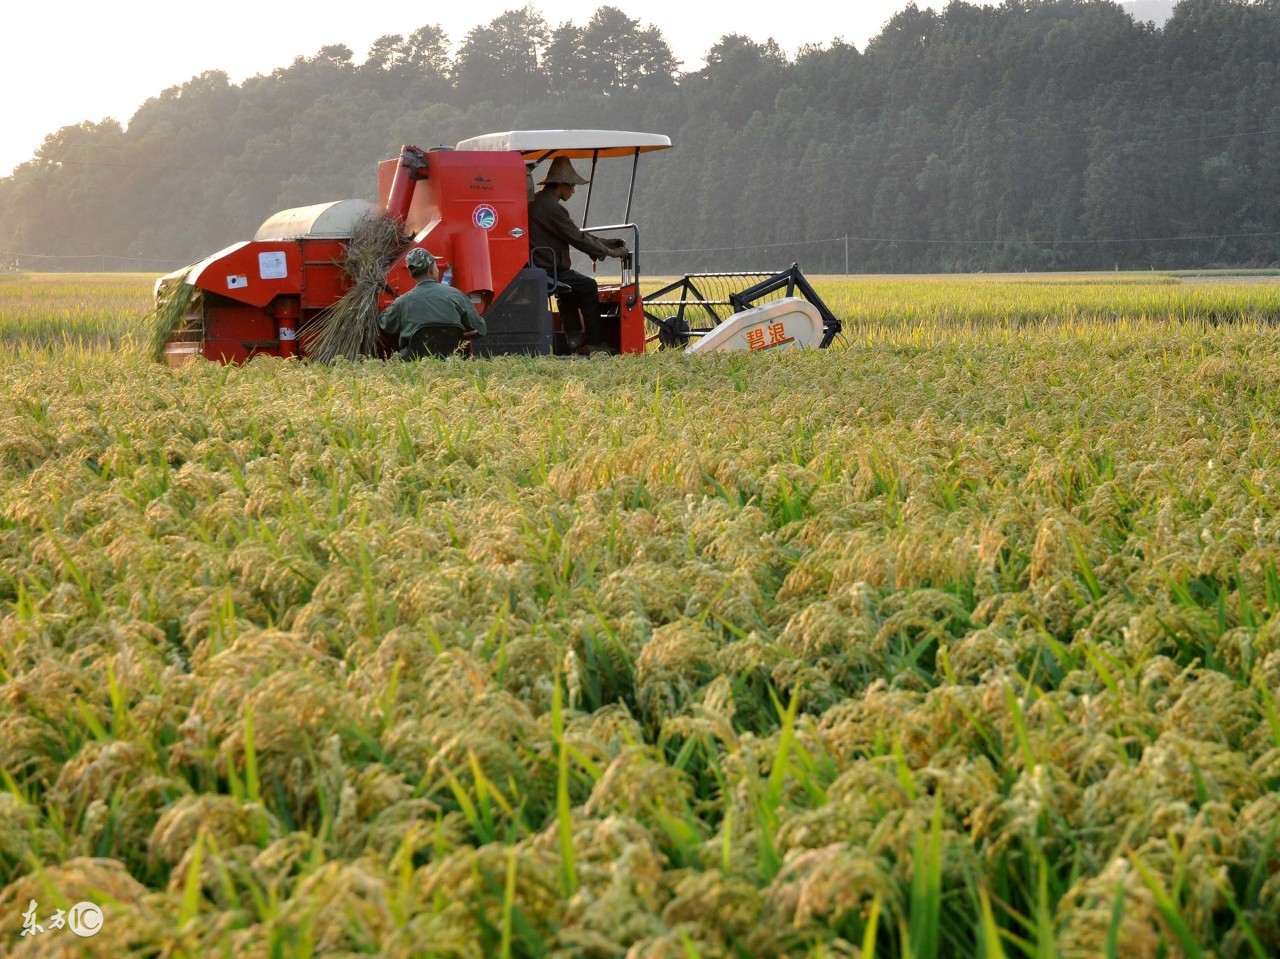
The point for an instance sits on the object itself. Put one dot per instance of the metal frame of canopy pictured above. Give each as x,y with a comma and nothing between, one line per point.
538,146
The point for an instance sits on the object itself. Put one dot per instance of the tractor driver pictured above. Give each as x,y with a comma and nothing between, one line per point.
431,318
551,226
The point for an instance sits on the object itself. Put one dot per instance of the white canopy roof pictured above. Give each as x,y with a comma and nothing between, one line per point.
575,144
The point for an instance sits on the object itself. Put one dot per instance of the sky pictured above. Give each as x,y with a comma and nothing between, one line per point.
81,60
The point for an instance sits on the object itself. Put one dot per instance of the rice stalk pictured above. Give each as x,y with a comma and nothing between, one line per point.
564,820
925,913
349,328
990,939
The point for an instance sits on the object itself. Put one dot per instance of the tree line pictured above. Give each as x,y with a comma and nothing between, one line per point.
1037,134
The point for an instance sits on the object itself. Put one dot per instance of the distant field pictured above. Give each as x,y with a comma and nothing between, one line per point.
961,639
106,307
71,308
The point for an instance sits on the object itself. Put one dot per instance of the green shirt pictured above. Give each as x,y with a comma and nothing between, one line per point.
430,303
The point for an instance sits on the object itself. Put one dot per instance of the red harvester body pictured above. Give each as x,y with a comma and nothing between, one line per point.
468,207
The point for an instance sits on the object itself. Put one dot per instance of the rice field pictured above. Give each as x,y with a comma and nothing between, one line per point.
960,639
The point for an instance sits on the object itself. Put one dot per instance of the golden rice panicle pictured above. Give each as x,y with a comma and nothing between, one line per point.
22,832
1086,911
462,880
852,728
623,885
672,668
225,820
531,667
978,655
639,784
827,631
823,885
348,906
720,910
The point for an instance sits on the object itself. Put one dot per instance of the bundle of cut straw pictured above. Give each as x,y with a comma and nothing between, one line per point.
167,314
350,327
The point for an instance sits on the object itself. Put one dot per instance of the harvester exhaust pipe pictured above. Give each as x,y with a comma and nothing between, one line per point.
412,168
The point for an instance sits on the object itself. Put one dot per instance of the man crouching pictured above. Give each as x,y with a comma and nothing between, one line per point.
431,319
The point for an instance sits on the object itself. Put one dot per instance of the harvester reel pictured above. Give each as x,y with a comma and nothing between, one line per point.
673,332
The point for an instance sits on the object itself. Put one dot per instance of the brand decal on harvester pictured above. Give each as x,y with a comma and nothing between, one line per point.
484,216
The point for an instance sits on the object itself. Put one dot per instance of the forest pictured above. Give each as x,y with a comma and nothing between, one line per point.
1033,135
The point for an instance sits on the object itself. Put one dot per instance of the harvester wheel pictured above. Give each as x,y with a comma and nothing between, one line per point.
673,332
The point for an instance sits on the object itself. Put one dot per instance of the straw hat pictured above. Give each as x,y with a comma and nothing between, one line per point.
562,171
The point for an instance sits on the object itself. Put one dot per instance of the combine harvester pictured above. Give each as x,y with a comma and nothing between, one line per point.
468,206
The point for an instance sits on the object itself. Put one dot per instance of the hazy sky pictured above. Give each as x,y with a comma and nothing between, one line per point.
75,60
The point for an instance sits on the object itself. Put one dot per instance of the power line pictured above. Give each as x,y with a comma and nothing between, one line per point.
753,246
983,242
56,164
91,256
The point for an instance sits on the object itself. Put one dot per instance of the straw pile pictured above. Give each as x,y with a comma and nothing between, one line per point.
350,327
